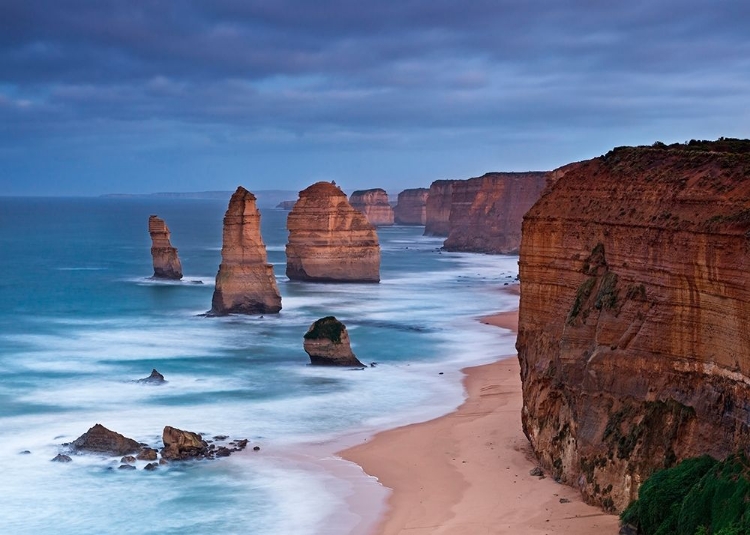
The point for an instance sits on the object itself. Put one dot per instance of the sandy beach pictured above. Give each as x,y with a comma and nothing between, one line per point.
467,473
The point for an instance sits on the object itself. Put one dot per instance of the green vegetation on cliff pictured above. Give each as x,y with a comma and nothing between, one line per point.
699,496
329,328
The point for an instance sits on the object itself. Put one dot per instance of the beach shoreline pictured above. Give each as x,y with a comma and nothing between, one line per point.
468,472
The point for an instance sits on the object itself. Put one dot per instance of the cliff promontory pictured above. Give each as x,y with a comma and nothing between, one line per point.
438,208
633,338
245,283
374,204
166,262
486,212
329,241
412,207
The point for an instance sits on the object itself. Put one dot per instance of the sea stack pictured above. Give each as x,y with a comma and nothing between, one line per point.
412,207
329,241
438,208
633,338
327,344
166,262
486,212
374,204
245,283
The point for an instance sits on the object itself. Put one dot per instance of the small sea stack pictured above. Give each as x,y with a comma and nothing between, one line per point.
245,283
327,344
412,207
329,241
374,204
166,262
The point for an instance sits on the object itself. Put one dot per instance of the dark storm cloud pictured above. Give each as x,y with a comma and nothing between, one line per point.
293,73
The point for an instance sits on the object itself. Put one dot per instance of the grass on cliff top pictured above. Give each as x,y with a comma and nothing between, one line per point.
699,496
329,328
723,144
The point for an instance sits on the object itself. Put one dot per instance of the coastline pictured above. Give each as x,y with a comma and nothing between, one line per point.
467,472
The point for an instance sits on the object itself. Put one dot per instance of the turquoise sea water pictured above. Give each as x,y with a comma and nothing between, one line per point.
80,320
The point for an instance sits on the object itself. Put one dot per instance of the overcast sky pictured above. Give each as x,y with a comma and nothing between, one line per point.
101,96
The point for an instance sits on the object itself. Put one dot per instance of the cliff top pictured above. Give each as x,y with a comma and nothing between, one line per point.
322,189
243,193
360,192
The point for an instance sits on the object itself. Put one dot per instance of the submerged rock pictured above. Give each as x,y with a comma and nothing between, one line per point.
60,458
99,439
147,454
154,379
327,344
166,262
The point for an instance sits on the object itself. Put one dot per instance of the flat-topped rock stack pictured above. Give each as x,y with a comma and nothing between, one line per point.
438,208
411,208
374,204
166,262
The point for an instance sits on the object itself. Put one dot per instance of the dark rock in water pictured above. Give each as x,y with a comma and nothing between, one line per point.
147,454
128,459
60,458
221,437
241,444
154,379
126,467
182,445
151,467
196,282
536,472
163,461
256,448
99,439
24,452
223,452
327,343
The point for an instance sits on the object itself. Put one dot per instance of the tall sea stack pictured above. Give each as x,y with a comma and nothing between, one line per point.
438,208
411,208
329,241
633,338
245,283
166,262
374,204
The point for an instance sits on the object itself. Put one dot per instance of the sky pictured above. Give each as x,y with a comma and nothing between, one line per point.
130,96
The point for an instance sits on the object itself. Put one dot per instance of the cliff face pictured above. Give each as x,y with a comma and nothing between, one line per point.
166,262
329,241
438,208
245,283
412,207
486,212
374,204
633,338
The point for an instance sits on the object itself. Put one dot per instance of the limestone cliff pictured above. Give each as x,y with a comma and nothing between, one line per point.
633,338
374,204
486,212
411,208
329,241
286,205
438,208
245,283
166,262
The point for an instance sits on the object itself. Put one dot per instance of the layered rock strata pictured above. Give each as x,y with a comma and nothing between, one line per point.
327,344
438,208
245,283
411,208
329,241
486,212
166,262
374,204
633,338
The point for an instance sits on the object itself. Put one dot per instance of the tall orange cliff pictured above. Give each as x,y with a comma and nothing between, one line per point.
633,338
374,204
166,262
486,212
329,241
438,208
245,283
411,208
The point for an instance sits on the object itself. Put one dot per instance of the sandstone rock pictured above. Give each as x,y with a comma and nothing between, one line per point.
327,343
166,262
182,445
128,459
374,204
147,454
60,458
329,241
245,283
151,467
486,212
99,439
634,303
438,208
154,379
412,207
286,205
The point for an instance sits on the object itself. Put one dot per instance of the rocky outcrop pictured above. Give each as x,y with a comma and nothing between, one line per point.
154,379
182,445
166,262
633,338
327,343
486,212
411,208
245,283
438,209
374,204
329,241
286,205
99,439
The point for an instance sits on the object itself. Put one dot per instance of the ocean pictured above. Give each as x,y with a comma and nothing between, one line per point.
80,321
